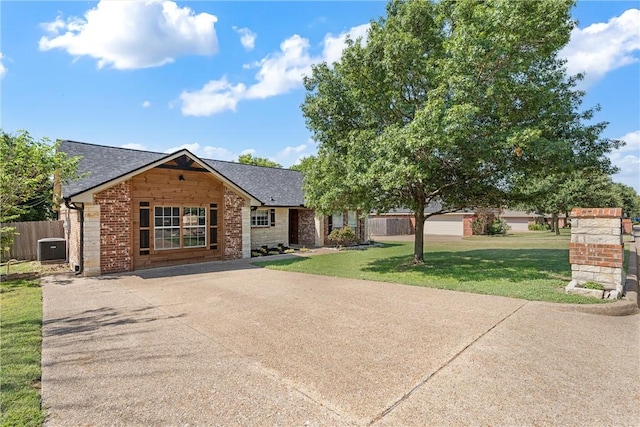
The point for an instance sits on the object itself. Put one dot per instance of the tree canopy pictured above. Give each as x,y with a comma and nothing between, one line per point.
449,104
248,159
27,176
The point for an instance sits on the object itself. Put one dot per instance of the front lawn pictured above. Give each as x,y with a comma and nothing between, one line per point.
533,266
20,344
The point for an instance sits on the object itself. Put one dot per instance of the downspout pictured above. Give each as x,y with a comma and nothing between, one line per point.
80,209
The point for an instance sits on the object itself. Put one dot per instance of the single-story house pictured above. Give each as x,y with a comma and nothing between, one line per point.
456,223
134,209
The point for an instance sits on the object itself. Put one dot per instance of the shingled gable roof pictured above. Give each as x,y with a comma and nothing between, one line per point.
269,186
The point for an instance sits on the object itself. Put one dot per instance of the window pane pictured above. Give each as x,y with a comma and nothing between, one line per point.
337,220
167,238
167,211
176,211
194,236
353,219
158,211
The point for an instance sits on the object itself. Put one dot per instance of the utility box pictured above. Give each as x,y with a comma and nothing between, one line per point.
52,249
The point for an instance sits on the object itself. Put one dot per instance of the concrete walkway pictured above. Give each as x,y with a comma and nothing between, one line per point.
232,344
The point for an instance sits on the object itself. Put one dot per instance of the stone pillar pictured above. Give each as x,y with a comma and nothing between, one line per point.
91,247
596,251
246,231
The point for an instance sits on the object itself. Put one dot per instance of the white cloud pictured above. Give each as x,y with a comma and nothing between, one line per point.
134,146
282,71
3,70
333,45
215,97
210,152
292,155
133,34
627,158
146,104
219,153
247,37
279,73
194,148
603,47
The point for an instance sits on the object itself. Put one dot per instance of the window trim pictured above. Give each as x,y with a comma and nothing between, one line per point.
266,218
181,227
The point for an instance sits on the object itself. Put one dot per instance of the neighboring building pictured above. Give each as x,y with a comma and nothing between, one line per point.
458,223
136,209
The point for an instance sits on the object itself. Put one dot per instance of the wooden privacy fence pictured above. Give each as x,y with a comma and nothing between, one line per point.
25,244
389,226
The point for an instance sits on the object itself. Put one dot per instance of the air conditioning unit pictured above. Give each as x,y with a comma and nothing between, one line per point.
52,249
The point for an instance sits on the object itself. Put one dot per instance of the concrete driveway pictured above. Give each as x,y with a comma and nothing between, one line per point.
232,344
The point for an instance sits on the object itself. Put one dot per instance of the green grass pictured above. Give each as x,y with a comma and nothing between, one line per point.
532,266
20,352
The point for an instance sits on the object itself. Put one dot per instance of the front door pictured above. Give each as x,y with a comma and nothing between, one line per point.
293,226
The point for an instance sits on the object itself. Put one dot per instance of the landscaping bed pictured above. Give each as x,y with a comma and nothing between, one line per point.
277,250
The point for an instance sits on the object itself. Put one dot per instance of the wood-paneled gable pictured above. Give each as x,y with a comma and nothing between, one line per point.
175,185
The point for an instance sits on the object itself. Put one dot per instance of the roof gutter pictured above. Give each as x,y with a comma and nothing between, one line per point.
75,206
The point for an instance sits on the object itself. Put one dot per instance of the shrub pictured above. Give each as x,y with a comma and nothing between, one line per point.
538,227
499,226
489,225
343,236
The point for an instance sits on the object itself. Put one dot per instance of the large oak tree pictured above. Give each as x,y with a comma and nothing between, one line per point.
447,103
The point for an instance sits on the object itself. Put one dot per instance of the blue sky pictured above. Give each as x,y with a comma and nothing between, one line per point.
225,78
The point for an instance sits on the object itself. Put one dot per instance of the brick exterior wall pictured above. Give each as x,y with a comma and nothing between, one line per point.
361,235
467,230
115,228
306,227
232,224
596,251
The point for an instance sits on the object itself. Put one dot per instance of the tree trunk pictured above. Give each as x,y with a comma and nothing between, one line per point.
418,247
555,221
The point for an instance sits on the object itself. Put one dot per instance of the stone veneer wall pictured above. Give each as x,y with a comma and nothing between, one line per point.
92,245
233,205
272,235
115,228
71,223
306,227
596,251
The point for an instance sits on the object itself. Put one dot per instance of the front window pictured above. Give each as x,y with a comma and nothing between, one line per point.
175,229
260,218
